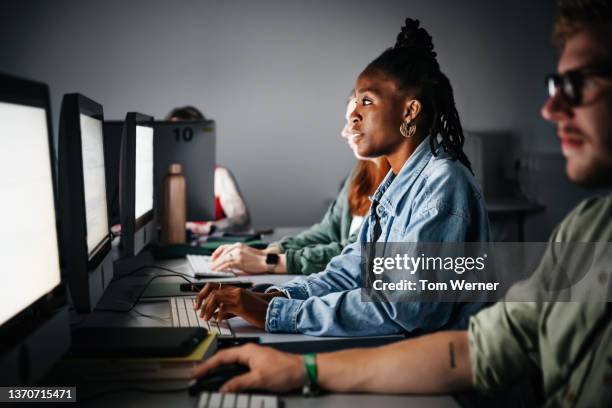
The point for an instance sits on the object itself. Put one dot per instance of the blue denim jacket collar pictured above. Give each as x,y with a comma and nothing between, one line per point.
389,198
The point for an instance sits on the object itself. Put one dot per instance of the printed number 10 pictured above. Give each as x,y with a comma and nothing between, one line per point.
186,134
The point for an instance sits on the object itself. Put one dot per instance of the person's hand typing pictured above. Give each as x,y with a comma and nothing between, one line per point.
223,302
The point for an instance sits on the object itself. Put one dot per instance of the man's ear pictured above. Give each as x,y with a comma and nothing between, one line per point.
412,109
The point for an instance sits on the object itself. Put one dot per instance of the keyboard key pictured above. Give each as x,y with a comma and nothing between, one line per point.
194,320
215,400
242,401
229,400
224,330
182,314
203,400
263,401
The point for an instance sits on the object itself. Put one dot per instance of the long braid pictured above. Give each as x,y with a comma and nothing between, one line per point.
446,123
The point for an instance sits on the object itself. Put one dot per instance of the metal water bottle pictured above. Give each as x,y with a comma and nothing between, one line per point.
174,206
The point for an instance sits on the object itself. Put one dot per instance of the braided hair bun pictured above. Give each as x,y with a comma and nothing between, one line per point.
415,38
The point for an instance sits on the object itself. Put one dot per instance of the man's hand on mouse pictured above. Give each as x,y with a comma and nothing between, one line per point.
268,369
223,302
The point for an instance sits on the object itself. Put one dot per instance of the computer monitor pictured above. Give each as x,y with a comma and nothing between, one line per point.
34,323
192,144
136,200
85,229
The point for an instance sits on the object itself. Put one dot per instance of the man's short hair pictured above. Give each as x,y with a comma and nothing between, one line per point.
576,15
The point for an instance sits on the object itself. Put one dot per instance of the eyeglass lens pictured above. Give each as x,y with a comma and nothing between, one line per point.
564,83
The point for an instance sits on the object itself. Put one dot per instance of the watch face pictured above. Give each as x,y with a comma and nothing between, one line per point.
271,259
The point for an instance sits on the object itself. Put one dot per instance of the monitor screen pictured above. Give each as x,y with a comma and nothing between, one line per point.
29,254
94,183
144,171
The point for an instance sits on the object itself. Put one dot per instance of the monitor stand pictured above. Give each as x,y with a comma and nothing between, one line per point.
86,291
144,236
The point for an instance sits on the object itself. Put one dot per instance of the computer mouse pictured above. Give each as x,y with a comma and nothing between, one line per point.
261,287
215,379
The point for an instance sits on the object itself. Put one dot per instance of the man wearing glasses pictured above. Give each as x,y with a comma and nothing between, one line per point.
562,349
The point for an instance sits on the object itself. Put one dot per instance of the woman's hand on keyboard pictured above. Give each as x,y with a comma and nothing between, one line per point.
239,256
223,302
269,369
221,250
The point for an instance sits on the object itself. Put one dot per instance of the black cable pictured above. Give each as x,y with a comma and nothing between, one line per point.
127,275
133,273
142,291
133,389
163,268
139,313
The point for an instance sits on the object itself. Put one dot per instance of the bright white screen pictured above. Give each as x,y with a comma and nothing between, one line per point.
144,170
94,181
29,259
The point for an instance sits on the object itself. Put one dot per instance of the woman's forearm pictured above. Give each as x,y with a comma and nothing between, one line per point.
431,364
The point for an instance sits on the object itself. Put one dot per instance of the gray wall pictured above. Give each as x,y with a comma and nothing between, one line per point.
274,75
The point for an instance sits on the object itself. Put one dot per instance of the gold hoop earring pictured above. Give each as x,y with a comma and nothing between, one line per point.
407,130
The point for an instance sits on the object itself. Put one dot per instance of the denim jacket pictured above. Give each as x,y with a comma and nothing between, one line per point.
431,199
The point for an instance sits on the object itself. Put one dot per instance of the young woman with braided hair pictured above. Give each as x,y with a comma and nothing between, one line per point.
405,112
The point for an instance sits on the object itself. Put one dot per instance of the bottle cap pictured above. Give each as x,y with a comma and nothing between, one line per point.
175,168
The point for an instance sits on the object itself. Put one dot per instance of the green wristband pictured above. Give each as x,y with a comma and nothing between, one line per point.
310,362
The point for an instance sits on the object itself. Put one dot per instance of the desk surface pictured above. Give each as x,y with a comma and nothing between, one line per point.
157,313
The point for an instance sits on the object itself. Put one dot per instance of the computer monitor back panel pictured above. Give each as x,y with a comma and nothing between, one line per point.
192,144
86,243
31,295
136,200
113,131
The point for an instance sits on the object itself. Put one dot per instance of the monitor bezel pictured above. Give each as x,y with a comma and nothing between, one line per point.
127,181
26,92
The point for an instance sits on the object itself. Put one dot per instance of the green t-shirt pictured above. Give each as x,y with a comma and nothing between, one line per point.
311,250
563,350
